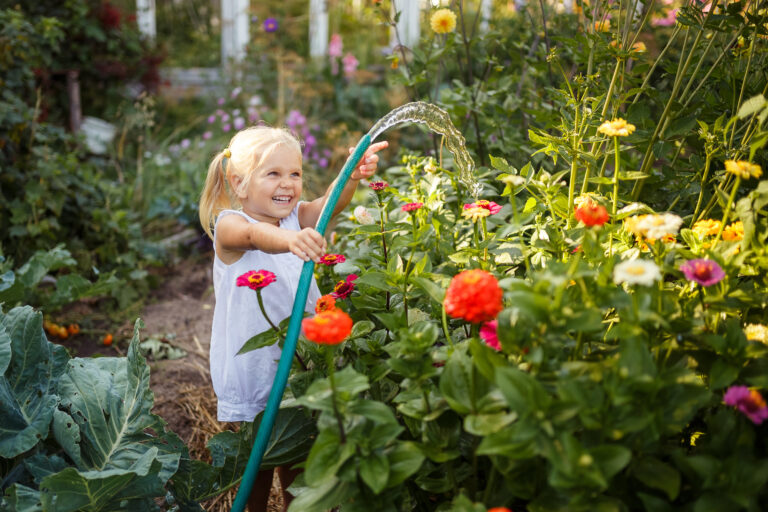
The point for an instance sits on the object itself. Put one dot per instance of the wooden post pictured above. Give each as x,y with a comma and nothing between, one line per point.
318,28
235,22
145,18
73,92
407,27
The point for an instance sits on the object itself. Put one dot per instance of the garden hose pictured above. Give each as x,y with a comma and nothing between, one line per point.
292,336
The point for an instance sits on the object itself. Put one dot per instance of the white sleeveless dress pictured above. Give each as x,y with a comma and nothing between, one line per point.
242,383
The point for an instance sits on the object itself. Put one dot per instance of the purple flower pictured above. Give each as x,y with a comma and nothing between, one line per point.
238,123
704,272
748,401
207,135
270,25
224,118
186,143
211,119
294,119
236,92
254,19
220,101
226,128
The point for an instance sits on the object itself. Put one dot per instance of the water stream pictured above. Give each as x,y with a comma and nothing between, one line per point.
438,121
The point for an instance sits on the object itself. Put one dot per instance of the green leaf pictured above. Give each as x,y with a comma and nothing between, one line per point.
658,475
327,455
374,279
27,387
374,470
436,292
500,164
291,439
486,424
405,459
523,393
722,374
261,340
611,458
20,498
751,106
361,328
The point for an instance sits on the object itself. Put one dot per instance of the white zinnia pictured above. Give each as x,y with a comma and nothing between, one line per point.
641,272
362,215
658,226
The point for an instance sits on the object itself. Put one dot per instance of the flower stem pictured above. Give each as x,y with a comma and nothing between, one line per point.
703,182
329,360
445,328
264,311
727,211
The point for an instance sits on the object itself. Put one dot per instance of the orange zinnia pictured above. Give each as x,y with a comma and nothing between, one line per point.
591,214
328,327
473,295
325,303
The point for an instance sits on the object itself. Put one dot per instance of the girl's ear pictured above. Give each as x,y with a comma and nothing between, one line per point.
234,182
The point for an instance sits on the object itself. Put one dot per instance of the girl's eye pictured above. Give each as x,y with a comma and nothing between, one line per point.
296,174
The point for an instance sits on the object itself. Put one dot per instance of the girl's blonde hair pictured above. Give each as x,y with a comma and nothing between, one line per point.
246,153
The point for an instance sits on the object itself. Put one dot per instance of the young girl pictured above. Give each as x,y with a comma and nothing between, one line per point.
273,230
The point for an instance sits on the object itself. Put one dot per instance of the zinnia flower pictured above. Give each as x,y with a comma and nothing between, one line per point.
362,215
332,259
756,332
499,509
325,303
704,272
513,180
475,213
603,26
489,334
743,169
270,25
734,232
410,207
616,128
473,295
378,186
349,63
654,226
639,47
256,279
335,46
706,227
591,214
343,289
443,21
488,205
641,272
748,401
328,327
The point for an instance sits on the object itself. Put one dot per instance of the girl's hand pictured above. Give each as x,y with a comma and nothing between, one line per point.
307,244
369,163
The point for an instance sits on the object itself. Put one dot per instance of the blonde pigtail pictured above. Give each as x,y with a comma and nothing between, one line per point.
215,196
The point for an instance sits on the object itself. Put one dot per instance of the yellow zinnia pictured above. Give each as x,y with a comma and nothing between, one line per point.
734,232
743,169
443,21
616,128
639,47
475,213
706,227
756,332
603,26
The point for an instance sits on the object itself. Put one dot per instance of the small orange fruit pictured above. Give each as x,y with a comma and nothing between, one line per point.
107,340
63,333
73,329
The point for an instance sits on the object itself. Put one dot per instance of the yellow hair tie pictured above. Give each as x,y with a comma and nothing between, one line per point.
227,153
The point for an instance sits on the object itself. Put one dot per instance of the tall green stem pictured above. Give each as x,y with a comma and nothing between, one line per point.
727,211
703,183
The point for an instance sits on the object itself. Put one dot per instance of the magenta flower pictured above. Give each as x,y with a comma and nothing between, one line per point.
349,63
748,401
489,334
411,207
332,259
378,186
482,203
239,123
344,289
335,46
704,272
270,25
211,119
256,279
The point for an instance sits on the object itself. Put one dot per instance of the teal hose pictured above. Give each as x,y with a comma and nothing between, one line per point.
292,336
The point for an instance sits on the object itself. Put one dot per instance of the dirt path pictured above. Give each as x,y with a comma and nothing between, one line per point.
181,312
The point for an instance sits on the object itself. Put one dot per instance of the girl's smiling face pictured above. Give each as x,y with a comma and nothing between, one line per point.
273,190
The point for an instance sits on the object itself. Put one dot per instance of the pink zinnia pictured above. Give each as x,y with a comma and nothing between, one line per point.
378,185
256,279
704,272
332,259
410,207
482,203
748,401
349,63
343,289
489,334
335,46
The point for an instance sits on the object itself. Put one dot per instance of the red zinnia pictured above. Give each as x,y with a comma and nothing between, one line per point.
328,327
591,214
325,303
332,259
256,279
410,207
492,207
343,289
378,186
473,295
489,334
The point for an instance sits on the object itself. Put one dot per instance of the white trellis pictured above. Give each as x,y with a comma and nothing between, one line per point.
407,29
485,14
145,18
235,19
318,28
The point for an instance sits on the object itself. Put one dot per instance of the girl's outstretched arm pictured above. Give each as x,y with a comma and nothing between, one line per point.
235,235
310,212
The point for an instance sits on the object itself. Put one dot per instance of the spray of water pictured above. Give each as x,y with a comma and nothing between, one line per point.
438,121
